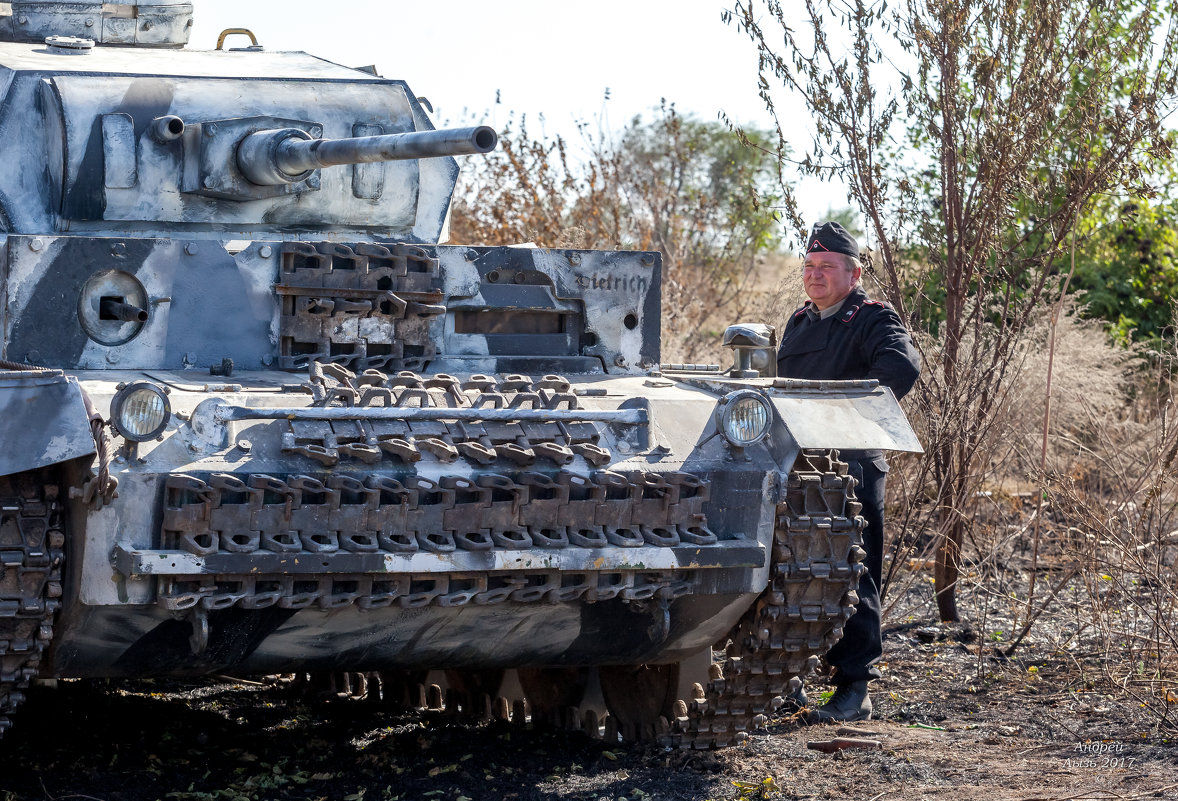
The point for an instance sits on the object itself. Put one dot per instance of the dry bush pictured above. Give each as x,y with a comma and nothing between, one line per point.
1098,394
1121,543
1109,520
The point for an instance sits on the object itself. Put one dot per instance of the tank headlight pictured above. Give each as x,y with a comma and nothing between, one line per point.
743,417
140,411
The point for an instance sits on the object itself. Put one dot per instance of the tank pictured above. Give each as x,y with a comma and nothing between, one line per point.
256,417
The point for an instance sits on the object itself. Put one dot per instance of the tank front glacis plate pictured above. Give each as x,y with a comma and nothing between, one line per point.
248,530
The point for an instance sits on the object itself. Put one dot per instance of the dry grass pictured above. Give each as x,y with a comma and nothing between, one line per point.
1108,564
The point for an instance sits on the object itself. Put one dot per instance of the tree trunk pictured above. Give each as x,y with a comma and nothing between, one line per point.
945,571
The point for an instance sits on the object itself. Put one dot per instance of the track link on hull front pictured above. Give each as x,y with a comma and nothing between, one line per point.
817,556
31,543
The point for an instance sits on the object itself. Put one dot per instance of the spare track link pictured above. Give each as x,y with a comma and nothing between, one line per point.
31,543
817,558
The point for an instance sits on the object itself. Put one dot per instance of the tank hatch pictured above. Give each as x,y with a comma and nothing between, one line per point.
148,23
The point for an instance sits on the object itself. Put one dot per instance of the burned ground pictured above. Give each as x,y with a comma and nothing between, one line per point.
954,719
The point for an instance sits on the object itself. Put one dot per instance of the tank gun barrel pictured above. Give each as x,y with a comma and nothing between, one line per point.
112,309
288,155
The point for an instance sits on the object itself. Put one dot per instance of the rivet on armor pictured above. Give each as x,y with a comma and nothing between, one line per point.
265,251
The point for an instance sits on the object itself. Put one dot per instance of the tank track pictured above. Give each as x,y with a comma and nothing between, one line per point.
815,570
31,552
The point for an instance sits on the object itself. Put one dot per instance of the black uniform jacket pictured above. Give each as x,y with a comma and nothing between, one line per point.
864,340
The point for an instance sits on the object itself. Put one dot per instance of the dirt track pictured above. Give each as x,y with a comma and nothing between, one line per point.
1019,735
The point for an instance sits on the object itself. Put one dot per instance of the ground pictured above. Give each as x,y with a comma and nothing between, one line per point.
952,723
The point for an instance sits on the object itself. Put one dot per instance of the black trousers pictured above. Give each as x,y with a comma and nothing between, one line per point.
855,655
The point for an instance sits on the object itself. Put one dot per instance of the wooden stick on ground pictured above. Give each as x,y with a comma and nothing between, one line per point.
839,743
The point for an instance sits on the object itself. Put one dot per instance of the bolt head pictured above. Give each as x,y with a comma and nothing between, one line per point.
265,251
36,244
191,248
574,258
89,23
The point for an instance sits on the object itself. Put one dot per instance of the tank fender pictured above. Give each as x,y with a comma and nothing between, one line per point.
44,420
825,415
843,415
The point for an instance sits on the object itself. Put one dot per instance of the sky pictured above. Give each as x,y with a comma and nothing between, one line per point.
553,61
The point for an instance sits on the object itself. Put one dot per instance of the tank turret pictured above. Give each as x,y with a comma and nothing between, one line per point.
140,23
106,131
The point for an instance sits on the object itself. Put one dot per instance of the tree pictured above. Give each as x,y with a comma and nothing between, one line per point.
972,134
682,186
1127,272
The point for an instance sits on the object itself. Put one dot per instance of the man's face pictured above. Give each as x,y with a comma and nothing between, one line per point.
827,278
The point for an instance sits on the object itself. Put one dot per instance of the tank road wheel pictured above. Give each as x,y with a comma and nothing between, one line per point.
473,690
637,696
817,555
31,543
554,693
403,689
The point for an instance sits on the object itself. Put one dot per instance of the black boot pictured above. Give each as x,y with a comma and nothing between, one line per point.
850,702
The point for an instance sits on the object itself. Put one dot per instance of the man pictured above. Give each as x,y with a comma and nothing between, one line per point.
841,334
